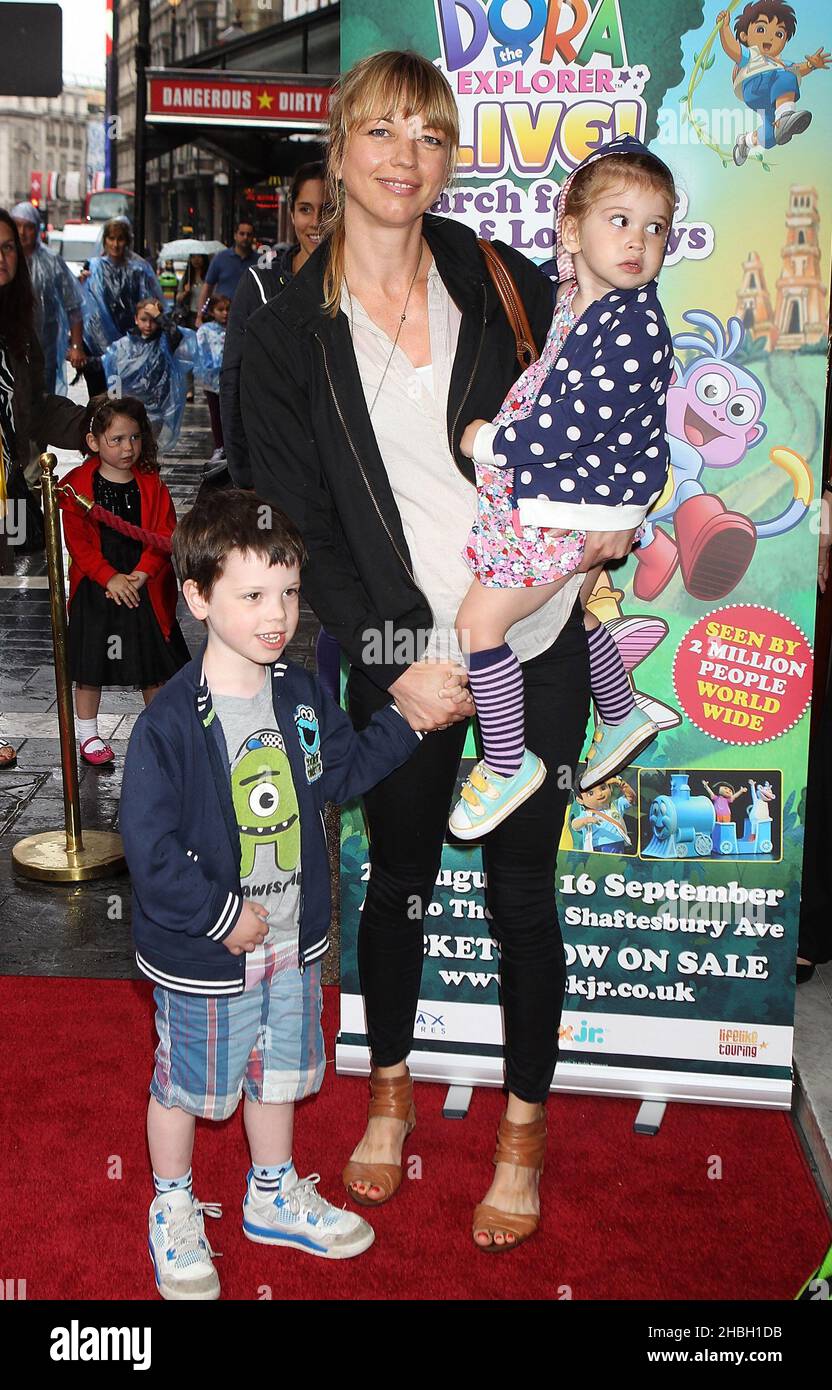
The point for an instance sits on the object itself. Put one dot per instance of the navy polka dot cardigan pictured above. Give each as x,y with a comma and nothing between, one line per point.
592,455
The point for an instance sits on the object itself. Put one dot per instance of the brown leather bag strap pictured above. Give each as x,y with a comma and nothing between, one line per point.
526,348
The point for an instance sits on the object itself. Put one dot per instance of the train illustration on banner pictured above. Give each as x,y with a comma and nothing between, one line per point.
687,826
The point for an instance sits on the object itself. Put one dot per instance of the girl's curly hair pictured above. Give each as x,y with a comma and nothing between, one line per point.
104,409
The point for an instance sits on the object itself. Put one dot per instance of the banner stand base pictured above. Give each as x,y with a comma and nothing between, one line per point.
457,1102
649,1117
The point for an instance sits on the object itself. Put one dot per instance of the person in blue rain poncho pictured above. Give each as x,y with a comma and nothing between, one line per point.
152,362
210,346
117,282
58,318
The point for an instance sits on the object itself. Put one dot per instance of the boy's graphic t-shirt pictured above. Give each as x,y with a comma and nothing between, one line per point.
268,819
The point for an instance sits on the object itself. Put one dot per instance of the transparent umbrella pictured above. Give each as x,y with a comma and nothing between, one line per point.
188,246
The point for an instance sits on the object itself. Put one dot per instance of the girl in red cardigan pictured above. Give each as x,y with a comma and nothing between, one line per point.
122,597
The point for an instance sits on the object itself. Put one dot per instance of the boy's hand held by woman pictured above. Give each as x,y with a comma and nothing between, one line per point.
251,929
433,694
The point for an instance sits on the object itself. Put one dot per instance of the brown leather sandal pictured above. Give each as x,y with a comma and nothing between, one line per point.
8,757
525,1147
391,1096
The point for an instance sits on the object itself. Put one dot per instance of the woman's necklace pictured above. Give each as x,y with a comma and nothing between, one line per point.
398,330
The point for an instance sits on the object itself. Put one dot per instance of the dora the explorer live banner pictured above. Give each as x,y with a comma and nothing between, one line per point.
681,943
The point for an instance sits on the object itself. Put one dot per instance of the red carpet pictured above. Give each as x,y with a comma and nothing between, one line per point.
626,1217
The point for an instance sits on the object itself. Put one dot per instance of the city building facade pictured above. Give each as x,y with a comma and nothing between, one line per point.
199,186
49,137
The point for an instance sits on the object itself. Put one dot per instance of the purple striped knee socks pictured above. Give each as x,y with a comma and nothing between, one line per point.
610,687
496,683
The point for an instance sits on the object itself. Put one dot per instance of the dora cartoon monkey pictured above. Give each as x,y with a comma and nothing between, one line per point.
761,79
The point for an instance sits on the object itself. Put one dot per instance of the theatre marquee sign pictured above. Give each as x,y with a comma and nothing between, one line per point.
207,98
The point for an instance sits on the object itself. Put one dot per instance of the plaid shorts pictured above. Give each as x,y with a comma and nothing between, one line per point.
267,1041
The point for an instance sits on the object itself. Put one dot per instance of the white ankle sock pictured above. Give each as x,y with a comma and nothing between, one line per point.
88,729
274,1179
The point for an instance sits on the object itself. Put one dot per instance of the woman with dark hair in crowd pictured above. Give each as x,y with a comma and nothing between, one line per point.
30,416
187,295
117,282
187,300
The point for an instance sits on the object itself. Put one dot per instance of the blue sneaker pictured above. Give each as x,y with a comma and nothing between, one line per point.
615,745
302,1218
487,798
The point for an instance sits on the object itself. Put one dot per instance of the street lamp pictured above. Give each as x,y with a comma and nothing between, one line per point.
174,5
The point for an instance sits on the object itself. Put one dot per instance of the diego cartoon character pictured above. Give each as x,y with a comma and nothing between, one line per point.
762,80
598,817
714,410
265,802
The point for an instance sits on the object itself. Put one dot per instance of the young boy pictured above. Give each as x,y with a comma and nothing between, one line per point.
210,345
224,786
597,818
152,362
762,80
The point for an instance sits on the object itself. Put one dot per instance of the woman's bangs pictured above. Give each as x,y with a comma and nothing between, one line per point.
407,91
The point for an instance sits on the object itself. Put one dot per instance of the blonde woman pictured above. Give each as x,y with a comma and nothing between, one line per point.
357,384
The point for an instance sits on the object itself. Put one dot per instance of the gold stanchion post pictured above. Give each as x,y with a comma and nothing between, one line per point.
66,855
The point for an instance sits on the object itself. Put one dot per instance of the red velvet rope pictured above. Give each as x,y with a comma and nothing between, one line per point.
126,528
115,523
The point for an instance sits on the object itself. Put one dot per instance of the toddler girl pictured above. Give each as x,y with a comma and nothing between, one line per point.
210,345
578,446
122,595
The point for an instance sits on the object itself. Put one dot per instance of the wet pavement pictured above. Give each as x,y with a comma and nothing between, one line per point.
82,930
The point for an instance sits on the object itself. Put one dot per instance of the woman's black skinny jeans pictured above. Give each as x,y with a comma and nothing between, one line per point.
407,815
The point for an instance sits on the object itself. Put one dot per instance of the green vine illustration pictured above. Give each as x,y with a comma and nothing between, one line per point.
702,63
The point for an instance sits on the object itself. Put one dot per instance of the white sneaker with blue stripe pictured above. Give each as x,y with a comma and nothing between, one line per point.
179,1249
302,1218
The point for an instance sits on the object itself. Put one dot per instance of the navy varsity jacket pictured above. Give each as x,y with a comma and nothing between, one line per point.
180,832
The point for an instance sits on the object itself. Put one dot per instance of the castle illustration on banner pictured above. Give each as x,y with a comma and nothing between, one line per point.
799,316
